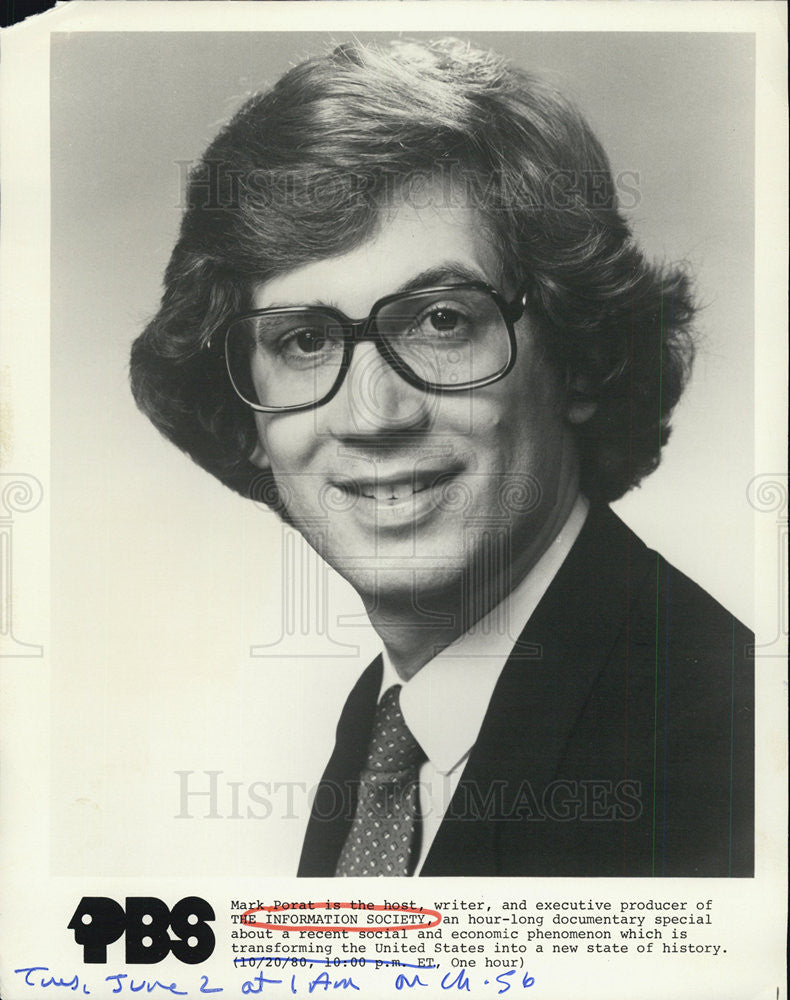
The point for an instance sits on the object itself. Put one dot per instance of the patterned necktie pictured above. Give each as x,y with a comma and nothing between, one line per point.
384,836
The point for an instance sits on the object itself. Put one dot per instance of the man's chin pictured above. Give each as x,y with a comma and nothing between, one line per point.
418,590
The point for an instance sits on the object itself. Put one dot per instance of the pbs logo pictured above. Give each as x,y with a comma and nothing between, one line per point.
146,924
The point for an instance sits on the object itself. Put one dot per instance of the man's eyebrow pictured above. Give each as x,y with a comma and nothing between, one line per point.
446,273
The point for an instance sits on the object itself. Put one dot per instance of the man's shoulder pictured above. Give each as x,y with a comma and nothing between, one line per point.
673,643
647,622
659,591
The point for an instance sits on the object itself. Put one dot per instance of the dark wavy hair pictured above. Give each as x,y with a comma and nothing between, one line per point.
303,171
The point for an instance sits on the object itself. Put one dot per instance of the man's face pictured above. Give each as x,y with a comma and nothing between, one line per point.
403,491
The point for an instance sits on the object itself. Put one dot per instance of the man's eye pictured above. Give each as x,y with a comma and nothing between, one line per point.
444,320
309,346
306,341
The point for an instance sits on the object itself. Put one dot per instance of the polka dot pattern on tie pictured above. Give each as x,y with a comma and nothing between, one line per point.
384,834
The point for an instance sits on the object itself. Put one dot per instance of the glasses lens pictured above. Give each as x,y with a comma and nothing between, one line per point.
284,359
450,338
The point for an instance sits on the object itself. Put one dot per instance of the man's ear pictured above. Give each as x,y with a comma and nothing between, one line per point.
259,457
581,405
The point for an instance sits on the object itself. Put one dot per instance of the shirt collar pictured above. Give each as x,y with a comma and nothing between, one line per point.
445,702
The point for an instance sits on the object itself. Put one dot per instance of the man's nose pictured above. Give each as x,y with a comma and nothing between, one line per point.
375,399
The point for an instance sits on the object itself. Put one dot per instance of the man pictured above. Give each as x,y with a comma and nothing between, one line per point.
405,311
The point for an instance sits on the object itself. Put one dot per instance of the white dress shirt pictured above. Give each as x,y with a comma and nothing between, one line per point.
445,702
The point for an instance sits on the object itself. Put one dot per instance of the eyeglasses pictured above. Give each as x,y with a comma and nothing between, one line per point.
444,339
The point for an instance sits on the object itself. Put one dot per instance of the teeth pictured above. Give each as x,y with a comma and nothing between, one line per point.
392,492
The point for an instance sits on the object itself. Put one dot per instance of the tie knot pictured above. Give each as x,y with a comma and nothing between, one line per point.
392,747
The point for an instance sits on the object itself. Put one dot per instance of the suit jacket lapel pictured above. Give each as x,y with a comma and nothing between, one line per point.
336,798
539,698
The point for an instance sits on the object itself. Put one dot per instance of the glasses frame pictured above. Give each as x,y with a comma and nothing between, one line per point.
356,331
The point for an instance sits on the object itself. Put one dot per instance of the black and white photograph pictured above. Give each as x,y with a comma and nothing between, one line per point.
406,497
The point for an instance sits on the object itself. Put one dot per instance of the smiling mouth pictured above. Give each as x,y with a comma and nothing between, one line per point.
393,490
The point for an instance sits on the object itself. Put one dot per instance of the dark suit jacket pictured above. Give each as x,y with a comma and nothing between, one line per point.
618,740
